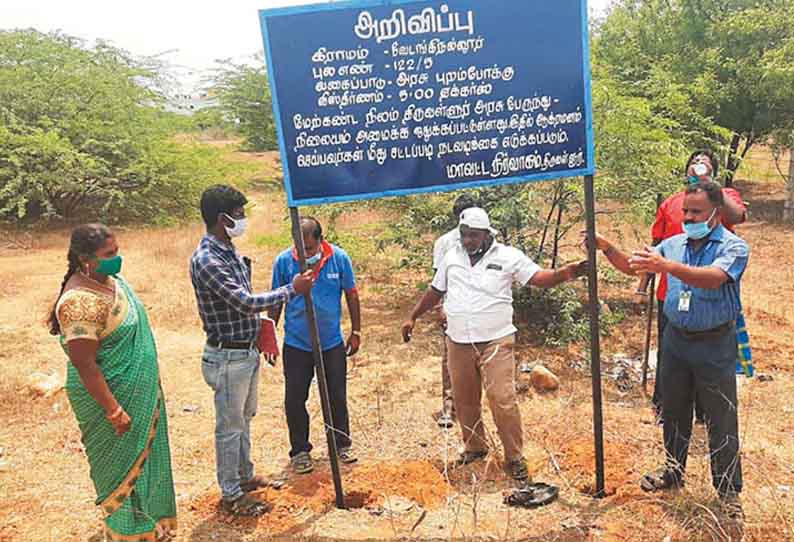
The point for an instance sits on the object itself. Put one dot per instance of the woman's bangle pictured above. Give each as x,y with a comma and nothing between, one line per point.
609,249
116,413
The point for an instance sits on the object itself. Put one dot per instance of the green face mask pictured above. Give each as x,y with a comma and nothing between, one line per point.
109,266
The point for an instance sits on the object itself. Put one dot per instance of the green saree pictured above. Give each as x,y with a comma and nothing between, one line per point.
132,473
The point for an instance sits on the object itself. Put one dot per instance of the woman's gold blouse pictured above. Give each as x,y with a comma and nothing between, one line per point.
86,314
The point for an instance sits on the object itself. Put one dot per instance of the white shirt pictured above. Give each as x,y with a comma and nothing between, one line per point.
442,246
479,298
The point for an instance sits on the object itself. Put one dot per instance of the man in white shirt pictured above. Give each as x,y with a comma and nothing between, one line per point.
475,279
446,418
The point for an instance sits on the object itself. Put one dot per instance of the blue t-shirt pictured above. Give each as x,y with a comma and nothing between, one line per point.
709,308
335,277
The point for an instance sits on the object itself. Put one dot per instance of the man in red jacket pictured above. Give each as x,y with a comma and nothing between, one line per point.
702,165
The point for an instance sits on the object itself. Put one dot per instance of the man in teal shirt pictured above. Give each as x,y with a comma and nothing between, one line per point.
333,274
704,267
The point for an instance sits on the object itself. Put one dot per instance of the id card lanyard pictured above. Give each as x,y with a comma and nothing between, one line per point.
685,297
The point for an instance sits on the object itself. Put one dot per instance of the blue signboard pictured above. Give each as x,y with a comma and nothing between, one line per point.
386,97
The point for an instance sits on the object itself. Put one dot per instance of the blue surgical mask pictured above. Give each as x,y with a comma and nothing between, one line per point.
699,230
314,259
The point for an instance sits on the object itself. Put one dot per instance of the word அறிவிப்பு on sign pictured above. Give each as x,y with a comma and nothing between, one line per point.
379,98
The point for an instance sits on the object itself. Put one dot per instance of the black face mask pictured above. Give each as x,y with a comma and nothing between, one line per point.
484,246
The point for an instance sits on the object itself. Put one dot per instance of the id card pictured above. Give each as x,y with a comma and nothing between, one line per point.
683,301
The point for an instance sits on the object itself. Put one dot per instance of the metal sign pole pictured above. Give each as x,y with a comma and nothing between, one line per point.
319,365
595,347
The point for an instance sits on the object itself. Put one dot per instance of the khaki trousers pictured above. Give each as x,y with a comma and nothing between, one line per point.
489,366
447,402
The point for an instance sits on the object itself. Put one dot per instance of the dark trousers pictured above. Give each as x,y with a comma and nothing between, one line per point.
661,321
706,367
298,375
657,383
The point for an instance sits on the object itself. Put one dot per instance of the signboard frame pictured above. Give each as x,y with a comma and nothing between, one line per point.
588,169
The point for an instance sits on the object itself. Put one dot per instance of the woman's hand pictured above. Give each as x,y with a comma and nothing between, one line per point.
120,421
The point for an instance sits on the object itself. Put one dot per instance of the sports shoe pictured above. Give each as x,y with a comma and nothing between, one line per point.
302,463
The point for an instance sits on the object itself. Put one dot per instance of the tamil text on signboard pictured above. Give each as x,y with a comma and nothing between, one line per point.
396,97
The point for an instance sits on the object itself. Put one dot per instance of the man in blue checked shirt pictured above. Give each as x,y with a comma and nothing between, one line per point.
229,312
333,272
704,267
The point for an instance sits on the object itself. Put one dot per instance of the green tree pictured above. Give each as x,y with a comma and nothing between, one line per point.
640,151
83,134
244,95
698,61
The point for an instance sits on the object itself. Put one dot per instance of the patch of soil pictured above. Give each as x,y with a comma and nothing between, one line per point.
620,472
312,495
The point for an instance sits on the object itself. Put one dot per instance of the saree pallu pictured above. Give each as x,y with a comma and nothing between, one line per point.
131,473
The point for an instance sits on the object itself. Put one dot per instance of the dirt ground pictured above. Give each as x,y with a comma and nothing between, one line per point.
402,487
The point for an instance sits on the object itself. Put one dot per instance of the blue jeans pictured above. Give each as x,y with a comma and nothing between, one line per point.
233,375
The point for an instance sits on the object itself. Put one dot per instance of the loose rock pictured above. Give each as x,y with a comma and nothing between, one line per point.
44,385
543,380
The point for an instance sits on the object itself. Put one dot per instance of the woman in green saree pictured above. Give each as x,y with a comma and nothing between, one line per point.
113,385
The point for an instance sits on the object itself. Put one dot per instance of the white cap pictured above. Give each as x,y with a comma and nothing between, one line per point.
476,218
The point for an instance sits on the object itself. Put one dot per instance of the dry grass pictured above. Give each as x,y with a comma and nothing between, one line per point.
45,492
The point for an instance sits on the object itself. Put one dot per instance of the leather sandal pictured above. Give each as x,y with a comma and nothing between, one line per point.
532,495
244,506
660,479
470,457
445,419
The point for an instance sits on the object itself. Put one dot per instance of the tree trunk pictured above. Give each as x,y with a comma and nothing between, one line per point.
556,249
548,223
732,163
788,209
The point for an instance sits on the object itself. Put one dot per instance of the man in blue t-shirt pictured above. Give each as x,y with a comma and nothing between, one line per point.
333,274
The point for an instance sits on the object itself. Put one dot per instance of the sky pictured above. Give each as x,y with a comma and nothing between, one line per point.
188,35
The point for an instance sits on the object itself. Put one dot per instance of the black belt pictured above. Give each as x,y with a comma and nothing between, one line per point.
232,345
712,333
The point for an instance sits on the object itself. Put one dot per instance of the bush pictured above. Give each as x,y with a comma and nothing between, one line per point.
83,136
557,316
